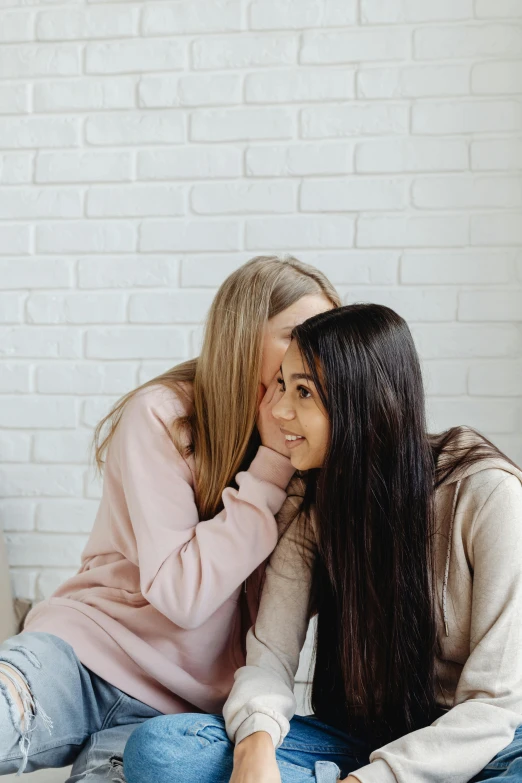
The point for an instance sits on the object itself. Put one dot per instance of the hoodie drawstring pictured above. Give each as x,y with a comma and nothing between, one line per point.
448,558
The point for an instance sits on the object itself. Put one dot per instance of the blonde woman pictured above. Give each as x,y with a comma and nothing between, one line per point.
7,619
155,620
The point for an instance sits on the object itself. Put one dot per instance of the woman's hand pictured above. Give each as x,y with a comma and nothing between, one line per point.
271,435
255,760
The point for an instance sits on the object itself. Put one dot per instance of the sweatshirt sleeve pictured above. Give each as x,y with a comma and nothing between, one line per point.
488,700
262,698
188,568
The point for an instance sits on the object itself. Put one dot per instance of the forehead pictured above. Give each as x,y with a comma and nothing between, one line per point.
292,360
300,311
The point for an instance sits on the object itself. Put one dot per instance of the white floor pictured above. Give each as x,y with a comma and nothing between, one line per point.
44,776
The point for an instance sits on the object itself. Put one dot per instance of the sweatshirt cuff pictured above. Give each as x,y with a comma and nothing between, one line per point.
376,772
269,465
259,722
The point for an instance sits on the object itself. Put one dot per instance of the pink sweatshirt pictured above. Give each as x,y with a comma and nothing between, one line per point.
154,608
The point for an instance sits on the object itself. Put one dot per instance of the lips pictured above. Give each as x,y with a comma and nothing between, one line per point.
292,440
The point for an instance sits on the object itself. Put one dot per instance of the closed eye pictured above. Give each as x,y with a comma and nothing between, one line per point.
281,384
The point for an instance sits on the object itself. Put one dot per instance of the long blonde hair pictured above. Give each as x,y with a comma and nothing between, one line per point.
225,377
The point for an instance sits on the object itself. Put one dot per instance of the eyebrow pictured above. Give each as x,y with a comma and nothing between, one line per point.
298,376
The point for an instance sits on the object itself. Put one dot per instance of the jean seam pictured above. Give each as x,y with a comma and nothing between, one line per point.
323,749
294,766
500,766
195,728
111,712
213,740
131,701
92,741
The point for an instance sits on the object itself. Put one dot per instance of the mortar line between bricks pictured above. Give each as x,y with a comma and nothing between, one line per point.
398,270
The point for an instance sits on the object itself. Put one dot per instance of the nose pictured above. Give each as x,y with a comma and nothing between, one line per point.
282,410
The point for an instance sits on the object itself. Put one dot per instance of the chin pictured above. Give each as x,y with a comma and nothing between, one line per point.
299,464
296,462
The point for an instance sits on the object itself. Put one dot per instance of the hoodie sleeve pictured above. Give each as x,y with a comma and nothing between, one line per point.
262,698
488,700
188,568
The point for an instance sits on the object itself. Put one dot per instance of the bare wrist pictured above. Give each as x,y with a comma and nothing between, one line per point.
258,742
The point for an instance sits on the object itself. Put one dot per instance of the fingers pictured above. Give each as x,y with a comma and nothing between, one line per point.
260,394
274,388
270,392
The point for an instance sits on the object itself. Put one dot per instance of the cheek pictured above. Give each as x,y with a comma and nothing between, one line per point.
316,442
319,435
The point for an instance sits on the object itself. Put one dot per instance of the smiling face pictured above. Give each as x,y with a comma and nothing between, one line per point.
277,331
300,413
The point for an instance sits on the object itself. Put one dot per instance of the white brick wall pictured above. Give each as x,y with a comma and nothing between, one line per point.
149,148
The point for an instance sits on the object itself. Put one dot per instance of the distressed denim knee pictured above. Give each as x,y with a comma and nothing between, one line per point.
17,720
83,706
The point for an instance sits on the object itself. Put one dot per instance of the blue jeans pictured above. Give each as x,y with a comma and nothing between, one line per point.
75,716
195,749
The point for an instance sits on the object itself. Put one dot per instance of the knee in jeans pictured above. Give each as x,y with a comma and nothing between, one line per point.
173,742
23,707
17,693
144,744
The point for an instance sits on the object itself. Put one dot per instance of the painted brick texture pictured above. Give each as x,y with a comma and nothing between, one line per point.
148,148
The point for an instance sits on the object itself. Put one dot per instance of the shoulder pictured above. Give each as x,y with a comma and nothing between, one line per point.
149,417
489,497
489,510
146,441
493,484
494,534
159,401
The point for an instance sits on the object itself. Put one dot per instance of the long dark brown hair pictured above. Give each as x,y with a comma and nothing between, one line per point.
373,505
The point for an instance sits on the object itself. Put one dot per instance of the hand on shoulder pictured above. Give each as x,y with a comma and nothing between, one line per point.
269,430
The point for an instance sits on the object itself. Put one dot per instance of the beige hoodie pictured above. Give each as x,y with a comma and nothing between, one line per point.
478,550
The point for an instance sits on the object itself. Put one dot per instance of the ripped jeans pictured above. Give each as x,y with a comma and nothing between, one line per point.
71,716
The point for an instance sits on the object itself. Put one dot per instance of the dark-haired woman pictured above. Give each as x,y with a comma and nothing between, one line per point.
409,548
